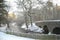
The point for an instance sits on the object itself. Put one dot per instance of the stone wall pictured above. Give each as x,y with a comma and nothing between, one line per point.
50,25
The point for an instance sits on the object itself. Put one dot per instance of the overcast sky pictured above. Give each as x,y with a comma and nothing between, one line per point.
13,4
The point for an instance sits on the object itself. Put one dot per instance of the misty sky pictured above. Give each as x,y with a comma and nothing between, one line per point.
14,5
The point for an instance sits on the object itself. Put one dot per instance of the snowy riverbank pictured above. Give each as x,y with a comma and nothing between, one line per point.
4,36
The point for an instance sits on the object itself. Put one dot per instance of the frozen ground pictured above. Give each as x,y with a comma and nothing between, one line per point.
3,29
4,36
33,28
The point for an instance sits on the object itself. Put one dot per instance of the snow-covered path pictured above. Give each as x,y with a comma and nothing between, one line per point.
4,36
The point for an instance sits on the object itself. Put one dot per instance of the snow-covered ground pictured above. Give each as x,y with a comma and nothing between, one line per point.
4,36
33,28
12,27
3,28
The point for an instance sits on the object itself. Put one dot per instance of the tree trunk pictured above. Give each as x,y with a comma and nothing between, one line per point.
8,25
26,22
31,19
0,24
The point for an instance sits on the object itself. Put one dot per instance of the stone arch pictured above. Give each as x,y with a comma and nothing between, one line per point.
56,30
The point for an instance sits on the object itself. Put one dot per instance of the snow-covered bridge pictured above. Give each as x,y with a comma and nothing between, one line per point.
51,24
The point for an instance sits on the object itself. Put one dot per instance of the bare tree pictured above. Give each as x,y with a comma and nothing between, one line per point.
47,10
7,8
26,5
